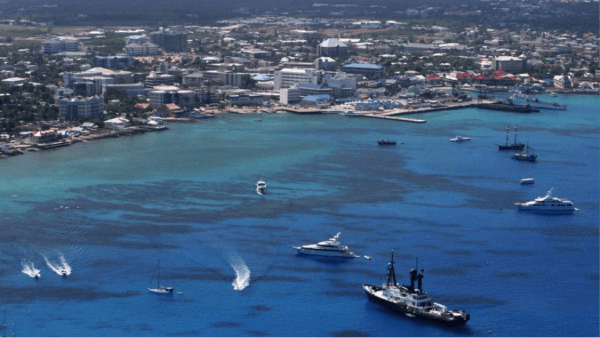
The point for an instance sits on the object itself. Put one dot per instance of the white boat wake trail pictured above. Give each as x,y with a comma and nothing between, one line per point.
58,267
242,273
28,268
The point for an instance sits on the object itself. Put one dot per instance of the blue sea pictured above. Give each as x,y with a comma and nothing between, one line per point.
108,211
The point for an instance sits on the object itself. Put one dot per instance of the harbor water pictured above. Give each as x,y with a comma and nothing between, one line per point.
107,211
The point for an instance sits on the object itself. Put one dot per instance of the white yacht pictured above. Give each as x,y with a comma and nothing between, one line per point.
460,138
331,248
527,181
261,187
548,204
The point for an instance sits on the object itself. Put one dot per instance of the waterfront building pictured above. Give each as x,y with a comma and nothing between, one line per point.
81,108
245,100
116,123
162,95
288,77
289,96
562,81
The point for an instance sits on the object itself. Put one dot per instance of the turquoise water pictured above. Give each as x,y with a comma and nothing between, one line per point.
112,208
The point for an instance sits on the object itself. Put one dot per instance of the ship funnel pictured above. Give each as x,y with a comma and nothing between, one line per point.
413,277
420,279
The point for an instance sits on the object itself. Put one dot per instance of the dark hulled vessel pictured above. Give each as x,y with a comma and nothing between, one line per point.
412,302
514,146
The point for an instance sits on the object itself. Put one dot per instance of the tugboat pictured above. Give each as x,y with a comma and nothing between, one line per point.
413,302
525,155
387,142
514,146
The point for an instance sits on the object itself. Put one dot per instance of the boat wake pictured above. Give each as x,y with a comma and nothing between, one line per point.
29,268
242,273
63,268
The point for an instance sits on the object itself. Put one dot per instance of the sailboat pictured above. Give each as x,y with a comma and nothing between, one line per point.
525,155
514,146
160,289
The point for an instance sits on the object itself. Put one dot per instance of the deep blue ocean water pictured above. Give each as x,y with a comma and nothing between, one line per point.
112,208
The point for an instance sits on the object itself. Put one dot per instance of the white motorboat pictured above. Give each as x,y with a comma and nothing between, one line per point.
553,94
261,187
160,289
548,204
352,114
527,181
331,248
460,138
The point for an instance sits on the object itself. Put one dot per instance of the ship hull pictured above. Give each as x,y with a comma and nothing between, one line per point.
547,211
512,147
324,253
402,309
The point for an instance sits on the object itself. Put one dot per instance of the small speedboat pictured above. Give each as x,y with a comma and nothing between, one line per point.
553,95
460,138
261,187
527,181
64,272
37,275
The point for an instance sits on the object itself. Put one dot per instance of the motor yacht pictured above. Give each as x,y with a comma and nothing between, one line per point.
527,181
460,138
548,204
331,248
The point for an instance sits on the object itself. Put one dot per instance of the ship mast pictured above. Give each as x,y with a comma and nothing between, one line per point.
507,131
391,273
515,135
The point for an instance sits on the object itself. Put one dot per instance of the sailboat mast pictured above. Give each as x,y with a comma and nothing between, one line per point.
516,133
507,131
158,277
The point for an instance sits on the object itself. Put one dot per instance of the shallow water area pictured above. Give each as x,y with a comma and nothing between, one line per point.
109,210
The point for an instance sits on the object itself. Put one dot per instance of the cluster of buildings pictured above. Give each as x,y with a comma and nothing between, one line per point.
239,64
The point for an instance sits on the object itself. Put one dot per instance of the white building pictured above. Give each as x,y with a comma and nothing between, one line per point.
509,64
223,78
129,88
141,49
116,123
155,79
288,96
170,94
288,77
117,75
245,100
81,108
59,45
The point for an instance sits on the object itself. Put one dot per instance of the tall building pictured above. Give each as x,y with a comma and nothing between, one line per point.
333,48
168,94
59,45
509,64
170,41
288,77
112,62
81,108
155,79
